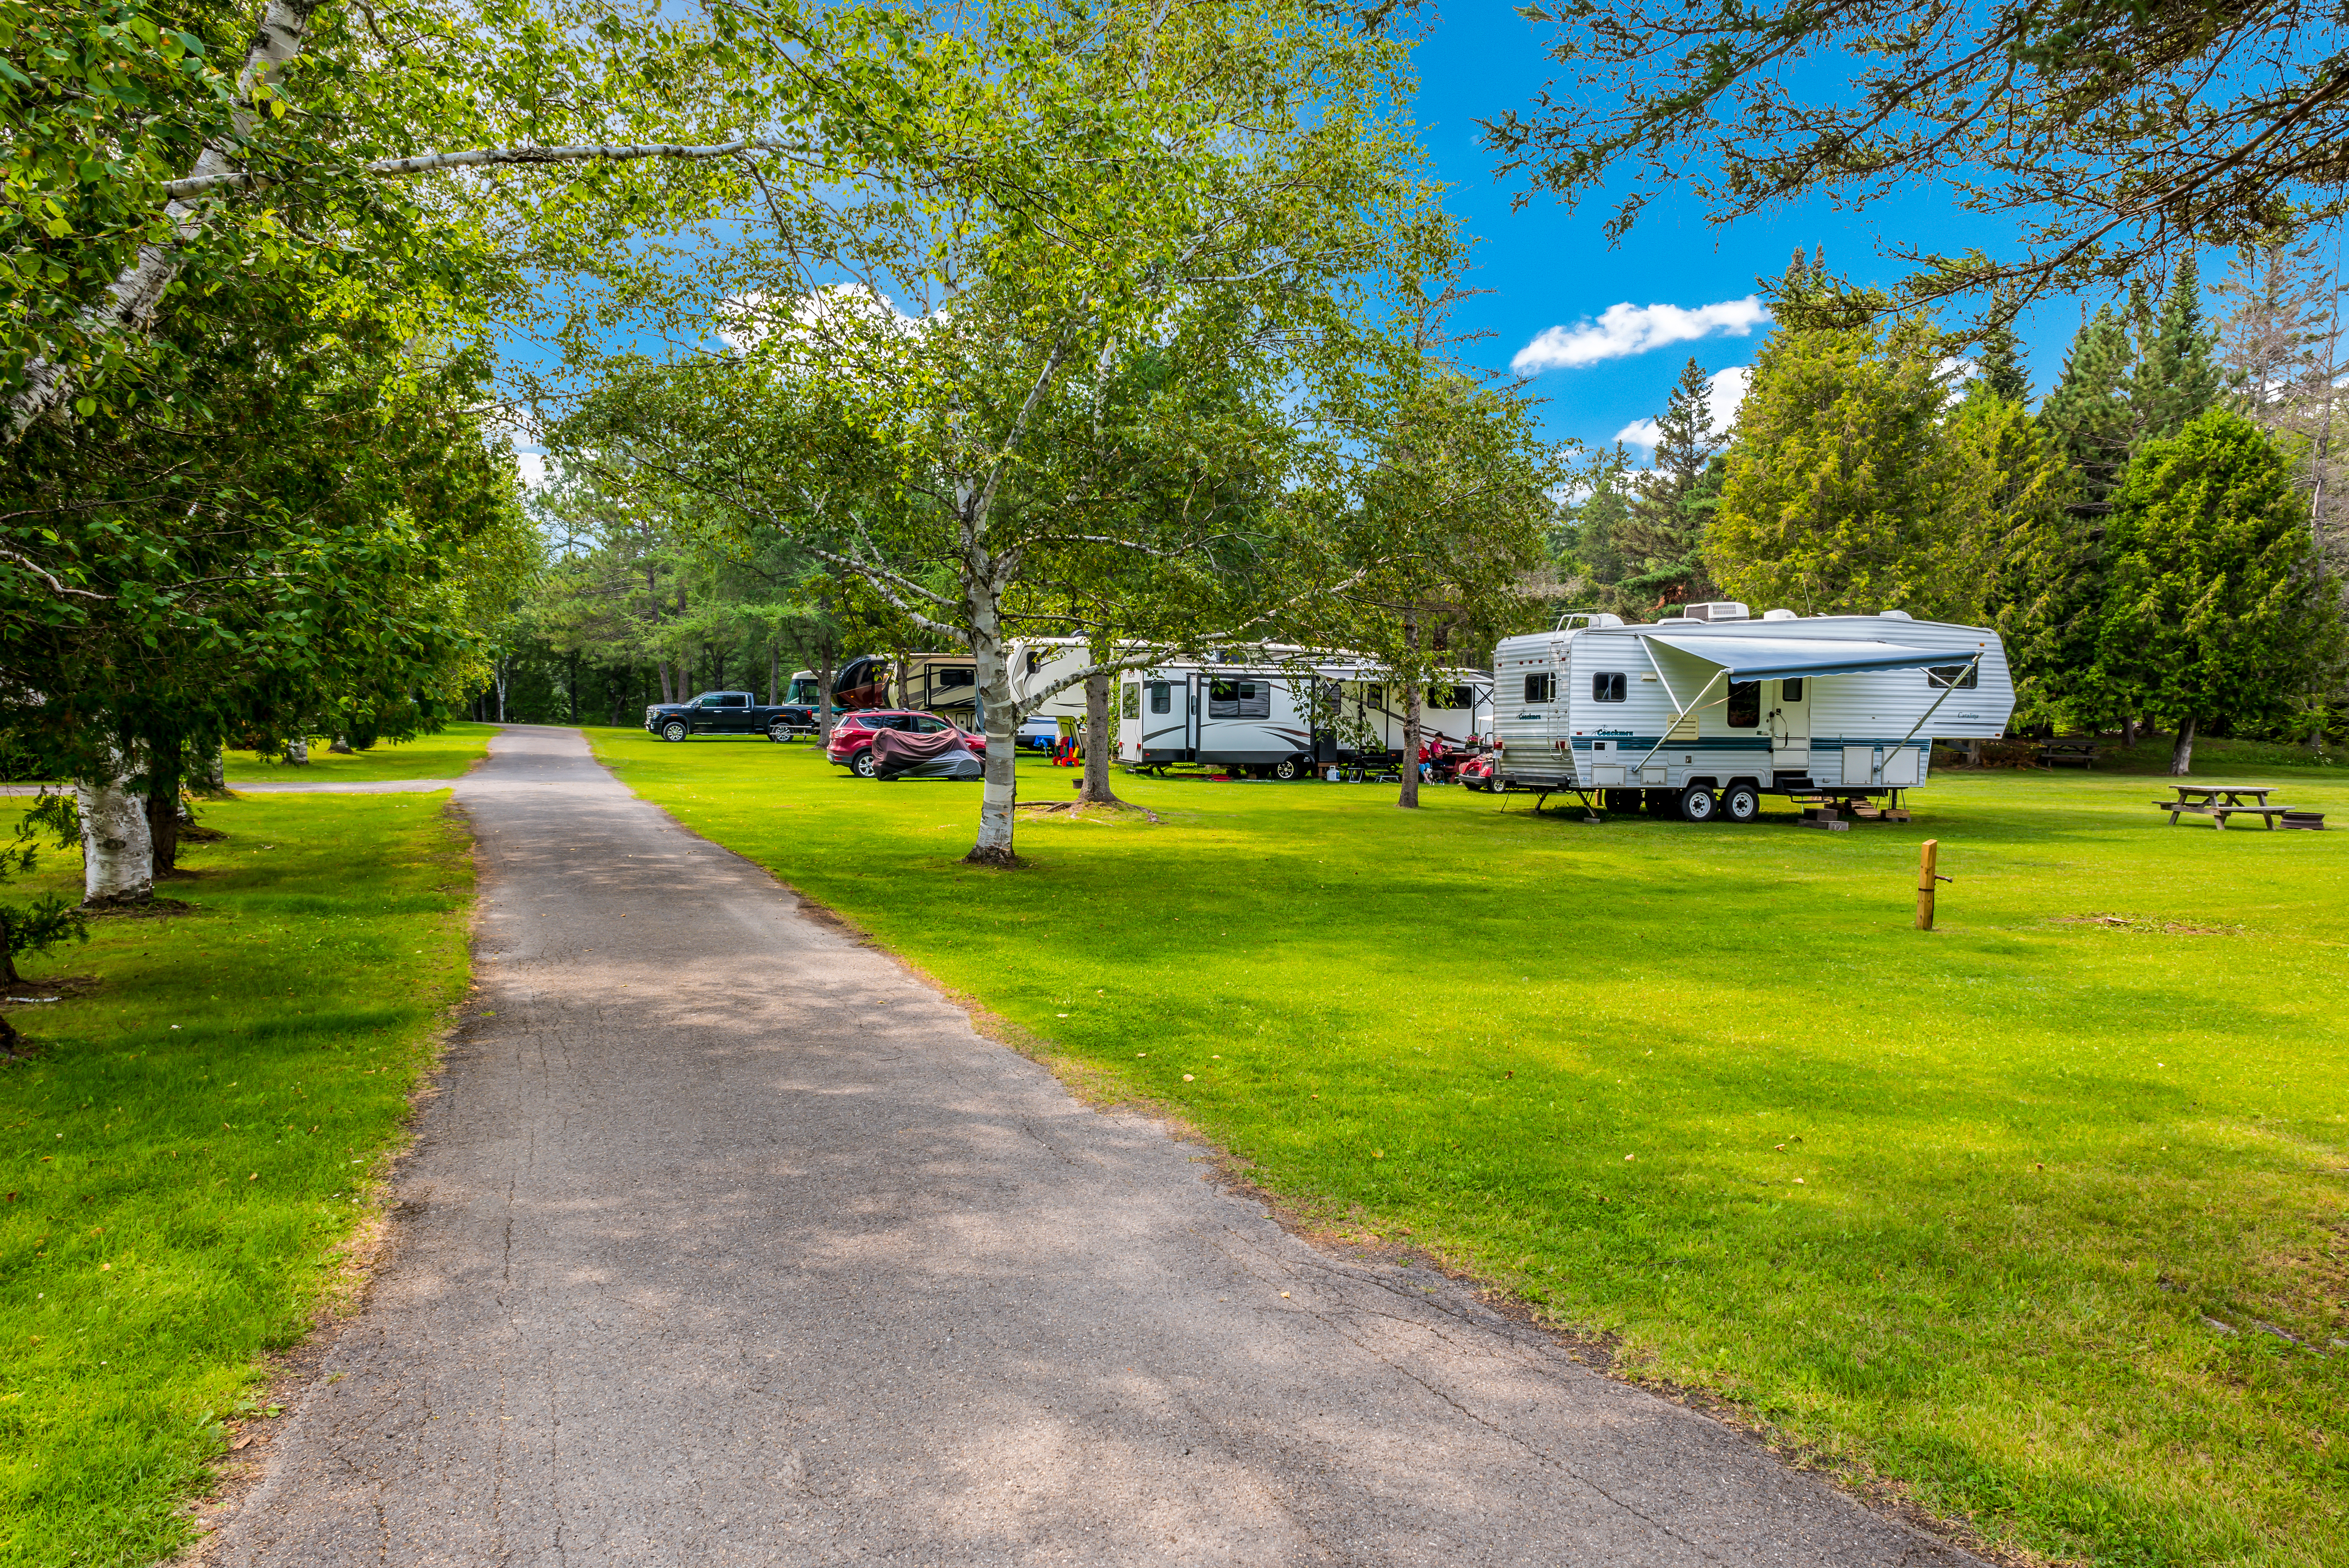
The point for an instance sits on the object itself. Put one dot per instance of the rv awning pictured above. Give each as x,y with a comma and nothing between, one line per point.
1768,658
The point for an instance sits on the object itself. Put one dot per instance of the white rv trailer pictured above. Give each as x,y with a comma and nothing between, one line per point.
1284,712
1711,711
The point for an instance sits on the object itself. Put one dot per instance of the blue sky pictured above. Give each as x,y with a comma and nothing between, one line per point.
1549,268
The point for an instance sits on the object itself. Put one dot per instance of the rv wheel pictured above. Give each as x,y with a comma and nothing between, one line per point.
1289,768
1696,804
1740,803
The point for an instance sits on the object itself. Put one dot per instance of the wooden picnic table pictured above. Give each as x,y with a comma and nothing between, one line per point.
2082,751
2220,801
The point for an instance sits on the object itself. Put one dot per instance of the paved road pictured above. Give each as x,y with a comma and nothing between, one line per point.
728,1243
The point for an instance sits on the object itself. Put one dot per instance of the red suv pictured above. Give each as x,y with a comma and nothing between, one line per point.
852,735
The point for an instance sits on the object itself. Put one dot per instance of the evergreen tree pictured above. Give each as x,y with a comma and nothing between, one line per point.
2176,376
2003,375
2213,606
2038,560
1661,535
1585,547
2087,415
1836,495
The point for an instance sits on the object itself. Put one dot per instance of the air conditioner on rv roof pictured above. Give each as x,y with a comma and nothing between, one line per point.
1721,609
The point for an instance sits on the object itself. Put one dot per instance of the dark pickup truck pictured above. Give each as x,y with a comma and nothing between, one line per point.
728,714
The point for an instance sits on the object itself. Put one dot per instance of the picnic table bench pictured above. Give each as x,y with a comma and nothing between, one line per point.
2220,801
2051,752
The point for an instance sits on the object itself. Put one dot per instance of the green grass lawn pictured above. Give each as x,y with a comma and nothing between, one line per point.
1951,1208
193,1139
444,755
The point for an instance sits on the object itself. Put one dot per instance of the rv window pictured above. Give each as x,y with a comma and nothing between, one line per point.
1607,686
1133,699
1793,691
1540,687
957,678
1374,696
1035,661
1745,704
1240,700
1451,698
1964,676
1159,701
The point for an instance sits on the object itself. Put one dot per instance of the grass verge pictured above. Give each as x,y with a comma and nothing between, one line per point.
442,755
2016,1215
194,1142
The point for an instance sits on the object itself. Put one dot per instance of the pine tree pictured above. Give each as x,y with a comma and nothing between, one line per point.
2279,349
1585,548
2176,377
1837,494
2087,414
2211,608
1661,535
2003,375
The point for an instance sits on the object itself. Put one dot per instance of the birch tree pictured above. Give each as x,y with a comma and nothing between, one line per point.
1094,180
1447,507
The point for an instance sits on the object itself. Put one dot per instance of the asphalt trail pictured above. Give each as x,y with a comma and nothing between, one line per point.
726,1242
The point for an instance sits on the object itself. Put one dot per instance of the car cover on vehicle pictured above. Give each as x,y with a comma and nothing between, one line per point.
938,755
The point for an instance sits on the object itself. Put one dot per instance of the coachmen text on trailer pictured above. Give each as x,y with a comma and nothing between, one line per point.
1709,713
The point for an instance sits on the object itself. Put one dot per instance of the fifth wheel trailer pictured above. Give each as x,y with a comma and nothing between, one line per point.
1711,711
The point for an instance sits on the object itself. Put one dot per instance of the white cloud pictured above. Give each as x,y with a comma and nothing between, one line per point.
826,315
1626,329
1729,387
533,465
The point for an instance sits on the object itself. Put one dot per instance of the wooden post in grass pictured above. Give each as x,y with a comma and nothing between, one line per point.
1925,884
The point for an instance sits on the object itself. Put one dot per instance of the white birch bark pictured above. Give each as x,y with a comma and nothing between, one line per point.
118,853
131,301
1000,792
216,770
297,751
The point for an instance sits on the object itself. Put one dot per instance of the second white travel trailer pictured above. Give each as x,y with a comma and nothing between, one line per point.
1707,714
1286,711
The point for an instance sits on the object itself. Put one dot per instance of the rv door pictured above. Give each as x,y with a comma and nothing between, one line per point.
1787,705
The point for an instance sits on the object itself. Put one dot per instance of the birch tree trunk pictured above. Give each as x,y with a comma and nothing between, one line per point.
116,853
216,769
983,578
2181,750
1408,800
